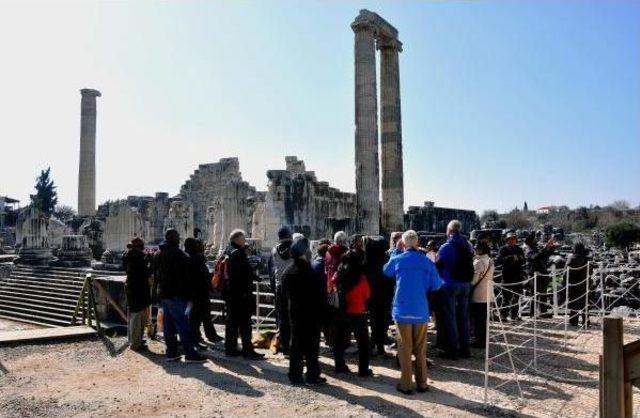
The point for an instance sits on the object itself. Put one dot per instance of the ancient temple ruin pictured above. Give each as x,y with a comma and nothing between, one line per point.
87,169
216,199
373,31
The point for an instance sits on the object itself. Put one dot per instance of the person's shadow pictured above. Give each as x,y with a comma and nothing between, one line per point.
223,381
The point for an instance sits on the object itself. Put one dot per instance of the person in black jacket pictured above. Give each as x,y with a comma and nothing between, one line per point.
199,283
577,280
537,258
304,294
239,298
511,257
171,279
382,290
137,291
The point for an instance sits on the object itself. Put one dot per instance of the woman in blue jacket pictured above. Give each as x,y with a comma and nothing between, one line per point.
415,276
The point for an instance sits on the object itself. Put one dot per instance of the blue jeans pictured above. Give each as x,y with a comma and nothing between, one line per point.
176,322
452,315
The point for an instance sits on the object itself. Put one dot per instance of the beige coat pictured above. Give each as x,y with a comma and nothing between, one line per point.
483,267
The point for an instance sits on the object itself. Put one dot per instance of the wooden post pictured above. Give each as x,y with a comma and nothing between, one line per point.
612,384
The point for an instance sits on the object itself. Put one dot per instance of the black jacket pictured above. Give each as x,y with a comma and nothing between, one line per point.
199,277
537,258
170,272
241,274
136,287
305,294
512,260
576,277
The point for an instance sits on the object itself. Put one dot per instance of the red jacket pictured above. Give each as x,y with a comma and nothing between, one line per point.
358,296
331,262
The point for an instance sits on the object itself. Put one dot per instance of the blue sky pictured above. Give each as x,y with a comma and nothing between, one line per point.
502,101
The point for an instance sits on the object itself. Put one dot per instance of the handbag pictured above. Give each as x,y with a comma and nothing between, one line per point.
333,300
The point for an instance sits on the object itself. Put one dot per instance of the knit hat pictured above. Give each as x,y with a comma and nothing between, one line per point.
284,233
299,247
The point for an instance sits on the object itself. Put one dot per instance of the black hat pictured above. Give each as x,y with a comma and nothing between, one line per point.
284,233
299,247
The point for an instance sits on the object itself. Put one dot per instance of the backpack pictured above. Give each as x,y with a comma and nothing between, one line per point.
220,279
463,269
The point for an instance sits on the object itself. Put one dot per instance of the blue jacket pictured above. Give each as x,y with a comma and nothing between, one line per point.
415,275
448,256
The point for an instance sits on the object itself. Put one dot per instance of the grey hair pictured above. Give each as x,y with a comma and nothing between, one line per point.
297,235
340,237
236,233
454,226
410,238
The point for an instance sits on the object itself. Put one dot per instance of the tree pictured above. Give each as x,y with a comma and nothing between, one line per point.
517,220
621,205
622,234
64,212
46,197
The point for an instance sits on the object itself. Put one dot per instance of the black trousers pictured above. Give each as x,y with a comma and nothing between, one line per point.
380,321
201,315
510,296
544,302
358,325
478,315
238,322
284,323
304,349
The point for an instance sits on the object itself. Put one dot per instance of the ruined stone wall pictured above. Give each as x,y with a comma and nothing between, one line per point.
297,199
431,218
221,200
180,217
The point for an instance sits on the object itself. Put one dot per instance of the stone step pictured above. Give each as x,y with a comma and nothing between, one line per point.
52,317
20,297
31,290
29,319
47,275
44,298
54,283
42,287
66,310
57,270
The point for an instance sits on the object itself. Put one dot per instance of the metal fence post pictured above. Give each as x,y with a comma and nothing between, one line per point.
534,312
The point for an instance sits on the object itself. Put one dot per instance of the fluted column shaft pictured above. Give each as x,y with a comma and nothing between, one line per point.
391,138
87,169
366,134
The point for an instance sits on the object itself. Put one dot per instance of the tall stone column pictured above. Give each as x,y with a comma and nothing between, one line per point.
366,135
391,136
87,171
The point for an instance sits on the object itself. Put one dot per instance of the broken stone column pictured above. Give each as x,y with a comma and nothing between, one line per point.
366,135
87,172
391,136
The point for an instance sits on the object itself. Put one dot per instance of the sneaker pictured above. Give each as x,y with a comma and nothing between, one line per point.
296,381
200,346
197,358
423,390
365,373
173,357
316,382
253,356
342,370
215,339
404,391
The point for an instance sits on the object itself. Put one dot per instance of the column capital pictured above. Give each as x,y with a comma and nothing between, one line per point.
90,93
389,43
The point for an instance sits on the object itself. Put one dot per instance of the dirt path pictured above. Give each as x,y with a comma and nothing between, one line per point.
102,377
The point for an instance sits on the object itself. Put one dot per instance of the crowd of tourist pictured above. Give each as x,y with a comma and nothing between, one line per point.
343,289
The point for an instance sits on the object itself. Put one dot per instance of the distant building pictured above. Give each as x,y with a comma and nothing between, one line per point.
7,207
430,218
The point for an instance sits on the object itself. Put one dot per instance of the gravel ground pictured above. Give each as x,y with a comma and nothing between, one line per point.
102,377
